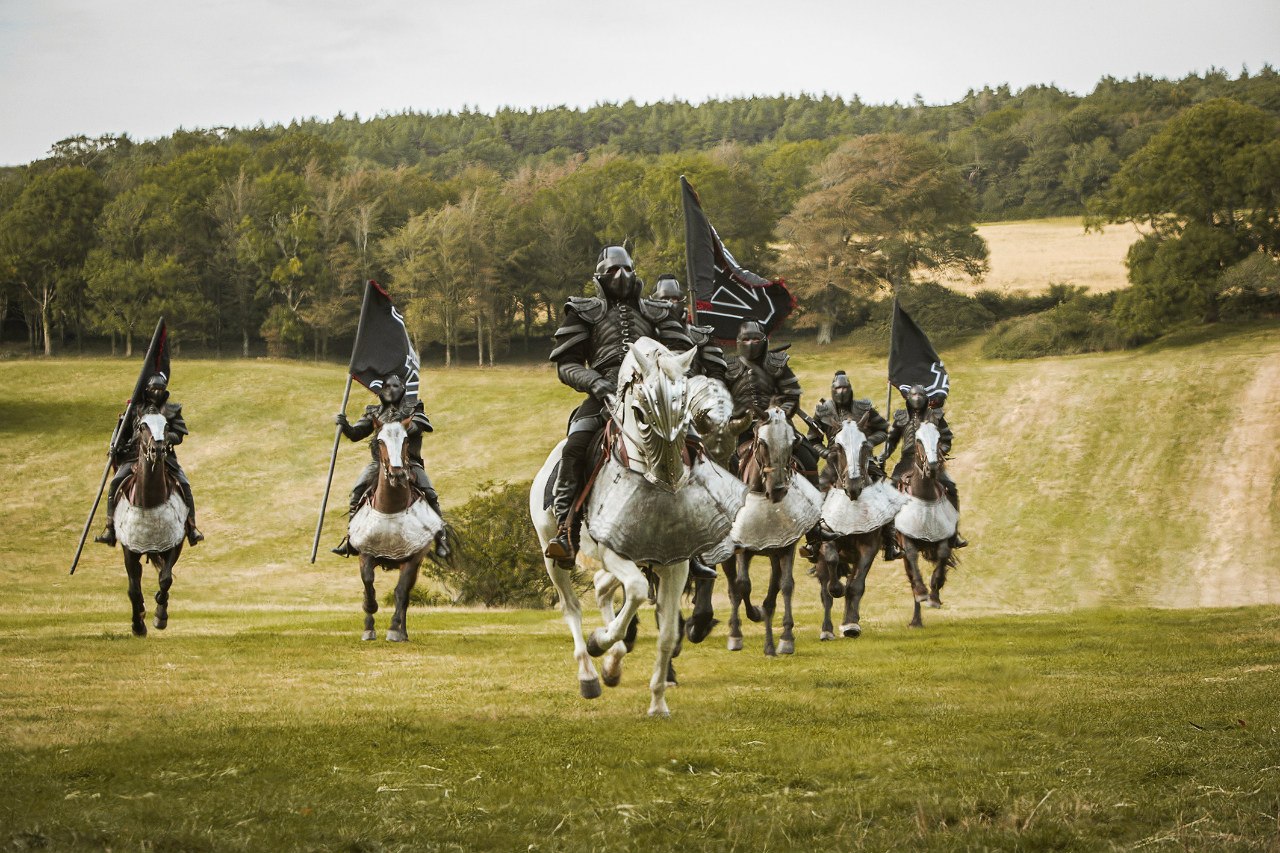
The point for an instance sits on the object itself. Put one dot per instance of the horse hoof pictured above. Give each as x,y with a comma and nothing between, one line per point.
660,713
826,635
922,597
835,590
590,689
770,652
755,614
593,645
161,622
915,623
394,636
934,601
612,678
139,628
369,635
699,626
852,630
735,644
787,647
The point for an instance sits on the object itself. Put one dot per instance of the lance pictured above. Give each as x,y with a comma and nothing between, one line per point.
337,429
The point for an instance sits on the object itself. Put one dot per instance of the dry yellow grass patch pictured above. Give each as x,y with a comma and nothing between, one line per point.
1027,256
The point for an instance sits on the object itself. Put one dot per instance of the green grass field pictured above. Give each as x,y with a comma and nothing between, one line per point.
1056,703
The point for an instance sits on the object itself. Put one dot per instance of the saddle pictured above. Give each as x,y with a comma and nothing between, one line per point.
127,484
367,495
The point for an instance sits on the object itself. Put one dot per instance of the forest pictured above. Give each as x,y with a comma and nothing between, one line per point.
257,240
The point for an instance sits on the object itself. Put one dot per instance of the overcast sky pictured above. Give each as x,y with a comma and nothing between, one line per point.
147,67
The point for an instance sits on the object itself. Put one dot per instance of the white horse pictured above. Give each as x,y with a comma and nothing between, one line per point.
653,504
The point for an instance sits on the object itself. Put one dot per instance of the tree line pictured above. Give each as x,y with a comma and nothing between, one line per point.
260,238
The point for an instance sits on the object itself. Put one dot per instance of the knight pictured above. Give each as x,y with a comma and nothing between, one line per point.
589,347
906,421
710,361
391,407
155,400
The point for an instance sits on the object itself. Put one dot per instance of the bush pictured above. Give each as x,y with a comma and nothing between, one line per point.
947,316
1080,324
1250,289
499,561
1008,305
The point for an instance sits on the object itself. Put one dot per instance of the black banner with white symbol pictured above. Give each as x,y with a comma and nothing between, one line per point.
913,360
156,361
725,293
383,346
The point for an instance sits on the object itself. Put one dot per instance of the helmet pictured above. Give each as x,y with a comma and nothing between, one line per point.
391,391
615,273
752,341
841,389
157,388
669,289
917,398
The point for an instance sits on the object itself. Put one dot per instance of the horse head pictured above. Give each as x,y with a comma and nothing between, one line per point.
770,463
928,459
153,443
653,411
850,453
711,406
393,446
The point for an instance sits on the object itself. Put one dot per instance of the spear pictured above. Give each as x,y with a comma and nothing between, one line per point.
337,429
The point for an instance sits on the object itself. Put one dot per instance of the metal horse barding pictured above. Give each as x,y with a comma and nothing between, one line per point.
927,522
150,520
652,504
856,510
394,529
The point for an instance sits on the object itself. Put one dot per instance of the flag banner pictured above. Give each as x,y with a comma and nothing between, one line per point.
913,360
383,346
155,361
724,293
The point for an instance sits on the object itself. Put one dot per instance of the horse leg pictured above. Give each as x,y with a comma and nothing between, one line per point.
588,680
166,581
771,601
743,558
734,642
398,632
605,586
668,603
866,547
824,570
939,578
703,618
367,573
133,567
787,645
635,588
911,563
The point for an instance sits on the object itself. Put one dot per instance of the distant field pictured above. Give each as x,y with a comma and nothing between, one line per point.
1027,256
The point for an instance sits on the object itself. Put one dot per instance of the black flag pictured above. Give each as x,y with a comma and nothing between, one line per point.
383,346
725,294
156,361
913,360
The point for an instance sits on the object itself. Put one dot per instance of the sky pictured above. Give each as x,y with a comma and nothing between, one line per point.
148,67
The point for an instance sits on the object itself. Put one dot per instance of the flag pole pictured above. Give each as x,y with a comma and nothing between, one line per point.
337,428
692,283
97,496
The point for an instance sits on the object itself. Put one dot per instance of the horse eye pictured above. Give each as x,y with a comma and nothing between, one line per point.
639,415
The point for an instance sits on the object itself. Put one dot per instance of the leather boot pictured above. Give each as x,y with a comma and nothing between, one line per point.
565,490
194,536
699,570
442,538
958,541
108,535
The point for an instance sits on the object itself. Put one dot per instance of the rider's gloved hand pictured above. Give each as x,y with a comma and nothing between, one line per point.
602,389
341,419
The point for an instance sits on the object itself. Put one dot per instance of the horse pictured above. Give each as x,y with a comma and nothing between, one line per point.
926,522
651,504
779,509
394,528
150,520
856,510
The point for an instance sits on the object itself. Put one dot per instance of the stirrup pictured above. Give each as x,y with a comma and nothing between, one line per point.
194,536
699,570
958,541
345,548
107,536
560,550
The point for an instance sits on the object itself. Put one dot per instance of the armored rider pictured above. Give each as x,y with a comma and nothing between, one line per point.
710,361
589,347
756,377
906,421
155,401
392,407
828,417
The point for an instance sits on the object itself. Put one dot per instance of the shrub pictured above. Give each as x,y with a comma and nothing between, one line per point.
948,316
1250,289
1008,305
1080,324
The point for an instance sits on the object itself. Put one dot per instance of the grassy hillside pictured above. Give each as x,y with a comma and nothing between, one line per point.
1149,477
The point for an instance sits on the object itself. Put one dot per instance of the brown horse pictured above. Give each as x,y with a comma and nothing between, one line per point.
857,509
393,529
779,509
150,520
927,522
